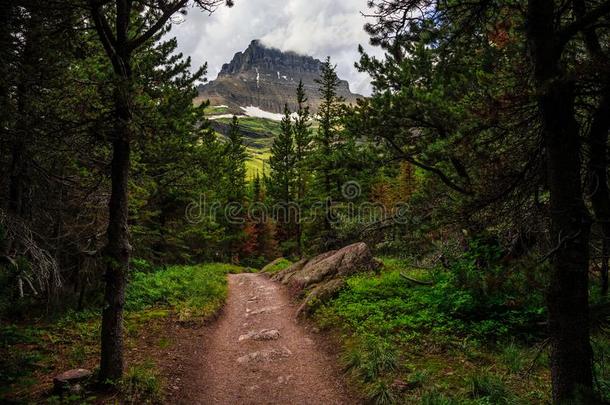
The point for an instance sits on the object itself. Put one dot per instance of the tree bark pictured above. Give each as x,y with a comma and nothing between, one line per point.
598,178
567,295
604,266
119,47
118,248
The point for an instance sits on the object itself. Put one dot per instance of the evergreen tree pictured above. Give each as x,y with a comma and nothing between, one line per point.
492,106
235,161
282,177
177,160
112,21
326,145
302,139
234,192
259,244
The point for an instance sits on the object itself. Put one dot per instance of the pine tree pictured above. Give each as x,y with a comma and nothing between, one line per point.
234,189
302,139
282,161
122,44
259,245
235,160
326,146
282,177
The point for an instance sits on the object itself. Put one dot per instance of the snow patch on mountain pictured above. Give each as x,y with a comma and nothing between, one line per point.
252,111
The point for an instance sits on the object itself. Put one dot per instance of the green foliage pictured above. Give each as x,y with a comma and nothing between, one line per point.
436,398
188,291
484,385
380,393
513,357
601,358
70,399
193,290
278,266
390,306
386,318
370,359
142,384
137,265
491,289
17,364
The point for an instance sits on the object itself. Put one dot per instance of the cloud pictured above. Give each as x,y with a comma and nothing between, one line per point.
318,28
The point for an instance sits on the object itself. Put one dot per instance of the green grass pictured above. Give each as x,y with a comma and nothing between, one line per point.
258,149
278,266
191,290
258,160
215,110
142,384
261,126
392,329
490,387
30,355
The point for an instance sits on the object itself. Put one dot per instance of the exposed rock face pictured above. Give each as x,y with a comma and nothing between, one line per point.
323,276
267,78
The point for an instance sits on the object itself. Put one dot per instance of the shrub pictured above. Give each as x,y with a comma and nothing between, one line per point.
278,266
138,265
436,398
380,393
513,357
192,290
141,385
488,386
371,359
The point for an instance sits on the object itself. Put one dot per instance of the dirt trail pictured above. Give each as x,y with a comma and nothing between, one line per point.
256,353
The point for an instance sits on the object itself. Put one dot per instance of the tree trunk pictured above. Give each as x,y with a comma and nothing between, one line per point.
567,295
118,248
598,178
568,299
298,229
604,266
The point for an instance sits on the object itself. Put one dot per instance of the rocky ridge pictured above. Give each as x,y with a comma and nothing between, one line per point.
267,78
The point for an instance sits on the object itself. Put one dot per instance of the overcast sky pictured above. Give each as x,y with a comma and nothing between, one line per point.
318,28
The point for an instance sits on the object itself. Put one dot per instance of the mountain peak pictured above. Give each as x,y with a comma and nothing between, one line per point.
269,60
267,77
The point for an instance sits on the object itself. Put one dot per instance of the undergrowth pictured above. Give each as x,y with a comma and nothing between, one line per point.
191,290
278,266
411,343
30,355
142,384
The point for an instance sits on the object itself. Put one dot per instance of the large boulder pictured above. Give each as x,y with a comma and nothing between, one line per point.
346,261
322,277
320,294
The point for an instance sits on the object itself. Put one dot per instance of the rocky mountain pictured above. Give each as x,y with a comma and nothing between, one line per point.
266,78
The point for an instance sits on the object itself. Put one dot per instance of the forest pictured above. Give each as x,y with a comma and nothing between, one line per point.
444,240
